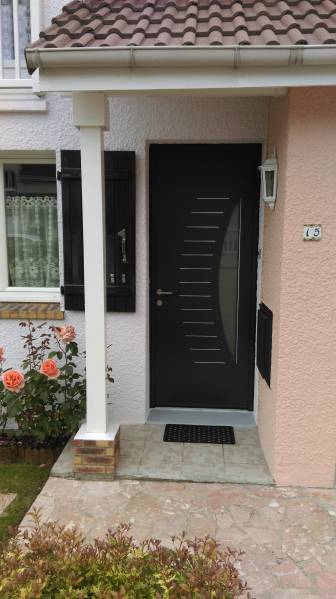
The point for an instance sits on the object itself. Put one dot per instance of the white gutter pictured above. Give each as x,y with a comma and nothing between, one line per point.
230,70
181,57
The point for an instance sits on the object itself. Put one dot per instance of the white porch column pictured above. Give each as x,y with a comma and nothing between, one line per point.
90,112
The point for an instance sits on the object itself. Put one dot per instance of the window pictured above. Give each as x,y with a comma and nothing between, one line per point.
19,24
29,262
15,36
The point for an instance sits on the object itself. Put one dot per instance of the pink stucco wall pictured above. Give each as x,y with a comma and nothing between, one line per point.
297,416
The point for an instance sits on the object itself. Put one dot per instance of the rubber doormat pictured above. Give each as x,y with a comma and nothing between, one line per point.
192,433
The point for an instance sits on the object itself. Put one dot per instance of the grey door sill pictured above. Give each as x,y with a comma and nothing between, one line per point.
237,418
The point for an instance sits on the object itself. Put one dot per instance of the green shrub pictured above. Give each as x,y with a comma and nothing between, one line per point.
55,562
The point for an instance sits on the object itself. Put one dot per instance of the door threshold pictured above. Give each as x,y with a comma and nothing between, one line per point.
238,418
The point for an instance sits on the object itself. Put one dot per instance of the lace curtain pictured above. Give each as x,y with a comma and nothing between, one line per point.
32,241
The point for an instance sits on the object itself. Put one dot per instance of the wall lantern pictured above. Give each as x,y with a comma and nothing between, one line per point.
269,180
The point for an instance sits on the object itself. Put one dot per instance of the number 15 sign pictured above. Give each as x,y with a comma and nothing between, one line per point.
312,232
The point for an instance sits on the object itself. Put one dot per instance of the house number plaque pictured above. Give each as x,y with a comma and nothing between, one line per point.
312,232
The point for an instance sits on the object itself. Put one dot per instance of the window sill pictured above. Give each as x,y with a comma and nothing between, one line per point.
32,311
20,99
30,294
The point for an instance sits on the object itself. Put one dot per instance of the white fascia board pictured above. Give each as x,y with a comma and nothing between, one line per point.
181,68
184,80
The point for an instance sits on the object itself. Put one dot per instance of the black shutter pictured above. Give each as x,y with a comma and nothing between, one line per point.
120,230
264,342
72,230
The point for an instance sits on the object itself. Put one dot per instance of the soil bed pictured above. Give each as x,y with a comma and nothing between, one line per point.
15,449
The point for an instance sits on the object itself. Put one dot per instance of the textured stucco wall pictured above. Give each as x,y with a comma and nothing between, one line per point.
134,123
297,417
271,272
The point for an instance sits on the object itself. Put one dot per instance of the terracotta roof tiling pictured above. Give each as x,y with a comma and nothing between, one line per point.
93,23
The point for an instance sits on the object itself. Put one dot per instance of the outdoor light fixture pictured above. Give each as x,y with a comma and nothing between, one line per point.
269,180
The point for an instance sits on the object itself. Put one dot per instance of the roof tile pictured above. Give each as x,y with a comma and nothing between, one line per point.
269,37
191,22
295,36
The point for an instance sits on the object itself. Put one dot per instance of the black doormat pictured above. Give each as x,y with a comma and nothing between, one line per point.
192,433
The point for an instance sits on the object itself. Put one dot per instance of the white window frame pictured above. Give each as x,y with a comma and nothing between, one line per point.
16,94
20,294
35,26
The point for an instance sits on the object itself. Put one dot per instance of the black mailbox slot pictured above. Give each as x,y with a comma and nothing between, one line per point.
264,342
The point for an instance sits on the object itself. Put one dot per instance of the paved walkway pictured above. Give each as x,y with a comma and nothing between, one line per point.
289,535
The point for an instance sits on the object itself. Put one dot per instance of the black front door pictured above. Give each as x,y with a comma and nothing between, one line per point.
203,258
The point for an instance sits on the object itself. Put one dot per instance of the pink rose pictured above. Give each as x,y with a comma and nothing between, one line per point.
13,380
2,355
49,369
66,334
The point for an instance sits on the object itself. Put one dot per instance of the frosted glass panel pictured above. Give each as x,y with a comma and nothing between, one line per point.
269,177
228,281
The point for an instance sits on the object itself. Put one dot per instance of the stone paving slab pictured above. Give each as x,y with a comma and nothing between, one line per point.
288,535
144,455
5,500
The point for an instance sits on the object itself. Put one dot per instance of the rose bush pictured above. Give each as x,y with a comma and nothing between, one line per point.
49,368
46,395
13,380
66,334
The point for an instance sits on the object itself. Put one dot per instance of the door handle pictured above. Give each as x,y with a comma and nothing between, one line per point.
122,235
160,292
